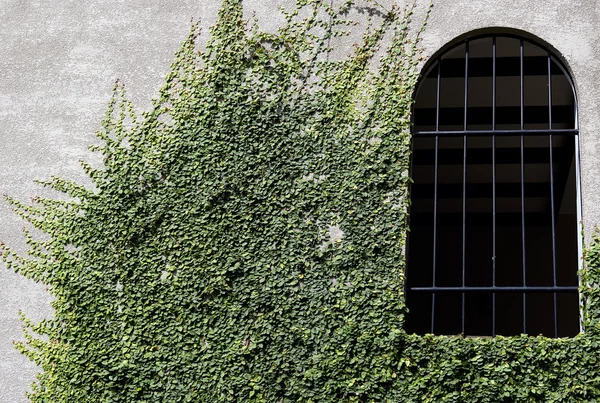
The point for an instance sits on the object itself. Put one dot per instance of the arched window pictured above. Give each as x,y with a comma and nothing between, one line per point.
493,244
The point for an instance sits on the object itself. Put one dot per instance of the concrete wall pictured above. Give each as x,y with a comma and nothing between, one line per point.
60,59
58,63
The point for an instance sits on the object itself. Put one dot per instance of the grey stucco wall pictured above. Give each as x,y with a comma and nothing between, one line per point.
58,63
60,59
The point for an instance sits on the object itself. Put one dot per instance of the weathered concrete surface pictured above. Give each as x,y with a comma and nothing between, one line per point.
60,59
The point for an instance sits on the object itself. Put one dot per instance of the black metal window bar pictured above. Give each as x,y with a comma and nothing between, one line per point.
493,243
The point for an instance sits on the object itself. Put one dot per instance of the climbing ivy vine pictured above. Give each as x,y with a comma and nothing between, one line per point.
244,240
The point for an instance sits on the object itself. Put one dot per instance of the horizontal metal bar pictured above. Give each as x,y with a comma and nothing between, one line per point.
496,289
515,132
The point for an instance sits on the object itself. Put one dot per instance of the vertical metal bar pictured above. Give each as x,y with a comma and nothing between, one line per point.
522,85
432,311
523,188
552,192
435,202
466,85
464,180
549,93
435,192
494,186
437,101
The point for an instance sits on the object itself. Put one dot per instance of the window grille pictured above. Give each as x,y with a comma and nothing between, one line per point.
493,245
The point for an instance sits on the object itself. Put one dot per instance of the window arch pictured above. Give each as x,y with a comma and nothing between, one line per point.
493,243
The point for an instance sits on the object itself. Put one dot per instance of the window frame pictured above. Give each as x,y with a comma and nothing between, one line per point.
435,63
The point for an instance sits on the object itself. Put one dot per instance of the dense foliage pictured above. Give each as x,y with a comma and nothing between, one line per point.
244,240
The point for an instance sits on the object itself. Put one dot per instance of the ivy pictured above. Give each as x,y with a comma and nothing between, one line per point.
244,240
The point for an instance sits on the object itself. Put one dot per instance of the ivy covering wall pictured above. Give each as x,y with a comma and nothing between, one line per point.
244,240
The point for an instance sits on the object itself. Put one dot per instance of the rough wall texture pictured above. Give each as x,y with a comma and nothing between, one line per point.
59,62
